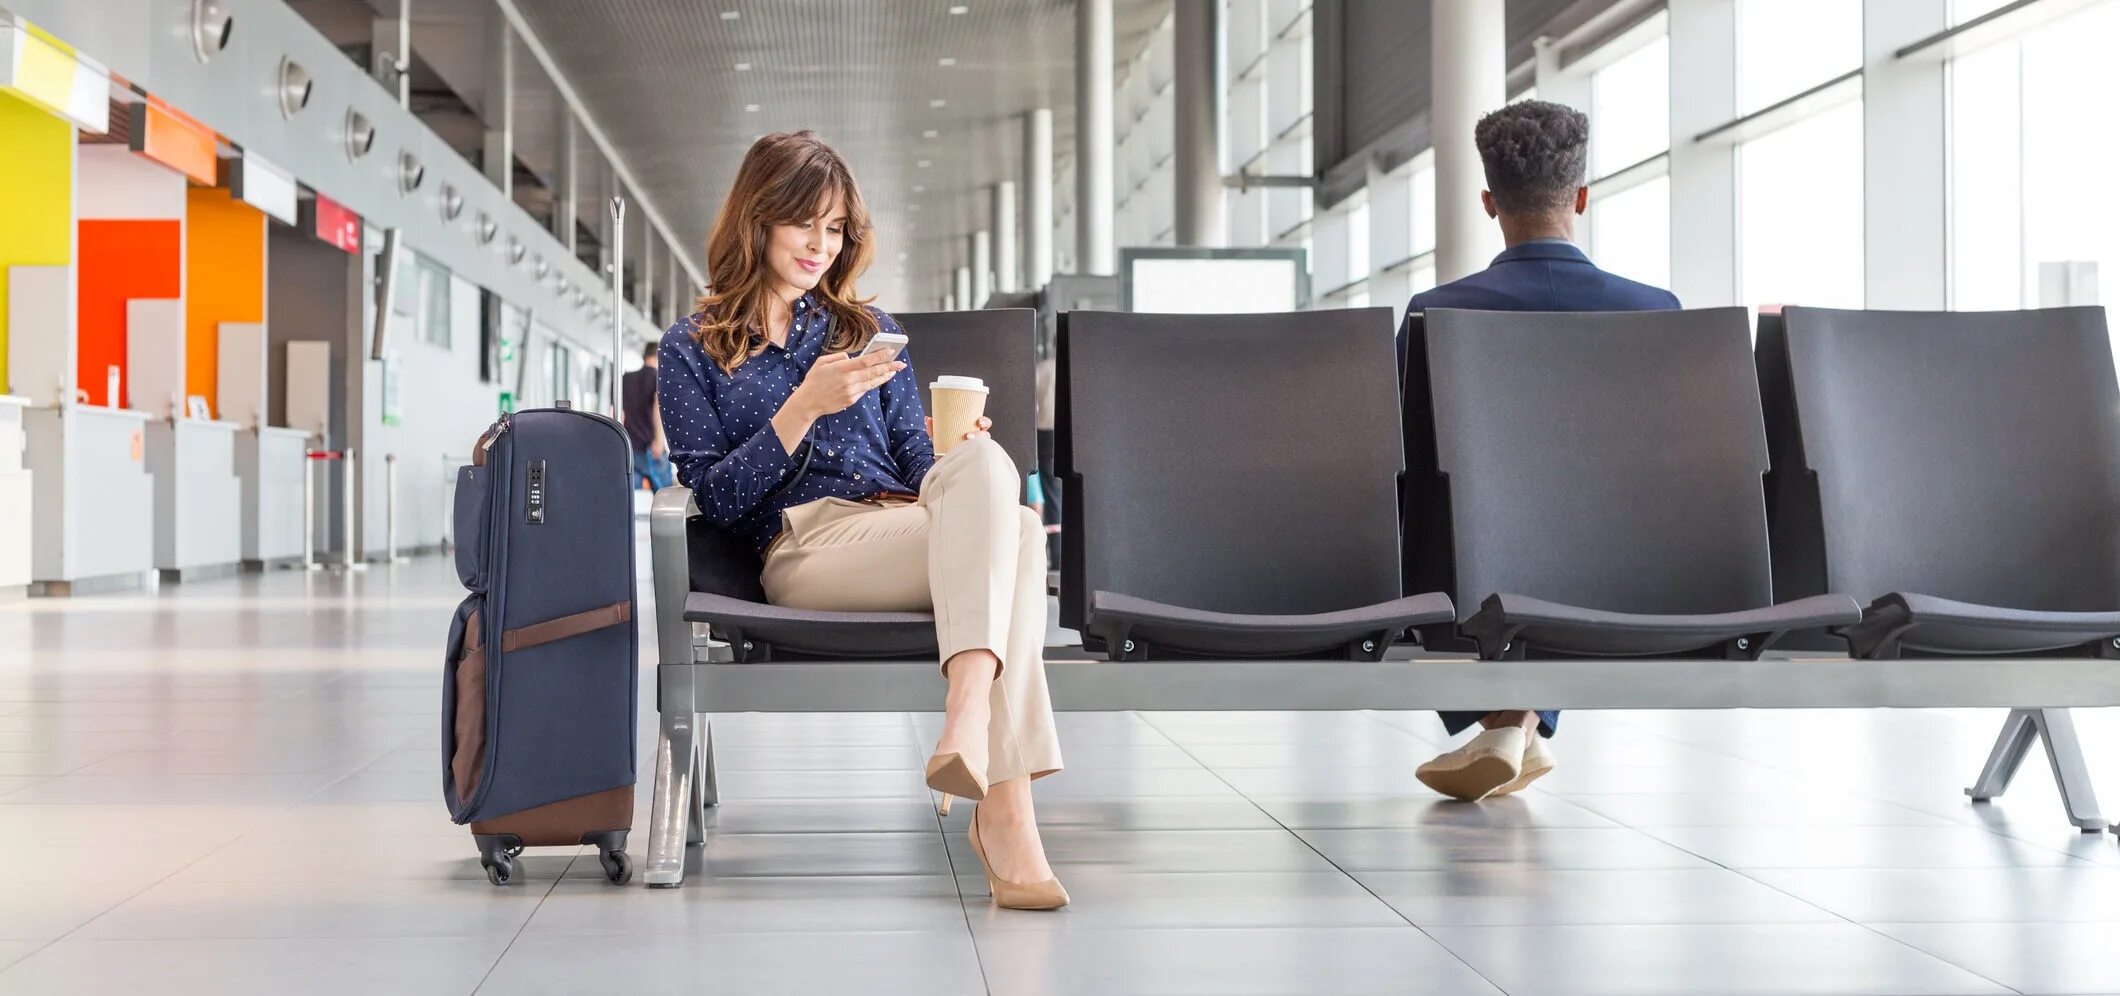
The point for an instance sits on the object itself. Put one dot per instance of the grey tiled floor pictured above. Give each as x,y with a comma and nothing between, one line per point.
231,787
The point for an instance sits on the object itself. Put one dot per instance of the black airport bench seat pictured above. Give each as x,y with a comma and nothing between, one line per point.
1590,484
1231,486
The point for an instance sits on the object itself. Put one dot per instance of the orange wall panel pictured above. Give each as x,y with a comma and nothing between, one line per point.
224,281
119,261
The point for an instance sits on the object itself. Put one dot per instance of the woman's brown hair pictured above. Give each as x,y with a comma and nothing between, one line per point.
786,178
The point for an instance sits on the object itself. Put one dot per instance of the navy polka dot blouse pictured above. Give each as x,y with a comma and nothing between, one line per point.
722,440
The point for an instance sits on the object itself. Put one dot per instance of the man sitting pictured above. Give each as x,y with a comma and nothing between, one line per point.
1535,155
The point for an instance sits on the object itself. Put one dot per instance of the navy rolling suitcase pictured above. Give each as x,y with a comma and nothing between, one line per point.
538,701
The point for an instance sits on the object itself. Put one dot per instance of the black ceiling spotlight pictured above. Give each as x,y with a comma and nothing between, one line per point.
452,202
580,298
295,88
410,173
211,27
487,228
360,134
516,249
542,267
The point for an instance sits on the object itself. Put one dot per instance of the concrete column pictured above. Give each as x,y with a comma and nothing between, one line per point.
961,288
1469,46
1038,198
1004,219
1906,146
1198,123
1094,251
1703,174
499,112
981,246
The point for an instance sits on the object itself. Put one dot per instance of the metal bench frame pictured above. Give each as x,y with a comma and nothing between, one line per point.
694,677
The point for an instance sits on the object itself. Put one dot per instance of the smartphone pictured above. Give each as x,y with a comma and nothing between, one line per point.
890,343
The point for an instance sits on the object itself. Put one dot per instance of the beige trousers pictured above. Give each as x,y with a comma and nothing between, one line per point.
969,550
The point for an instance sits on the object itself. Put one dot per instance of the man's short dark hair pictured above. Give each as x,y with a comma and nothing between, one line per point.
1536,154
648,352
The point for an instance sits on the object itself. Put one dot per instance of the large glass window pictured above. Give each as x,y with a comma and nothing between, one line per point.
1800,212
1785,47
1630,108
1630,232
2029,226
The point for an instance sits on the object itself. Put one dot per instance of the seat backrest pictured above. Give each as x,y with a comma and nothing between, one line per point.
999,346
1606,460
1235,463
1967,455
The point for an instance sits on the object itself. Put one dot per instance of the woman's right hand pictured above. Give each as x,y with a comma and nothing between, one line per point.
838,380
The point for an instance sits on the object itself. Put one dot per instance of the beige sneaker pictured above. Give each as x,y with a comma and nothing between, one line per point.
1487,762
1538,759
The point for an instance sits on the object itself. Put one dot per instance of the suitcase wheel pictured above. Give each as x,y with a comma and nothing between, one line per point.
617,867
611,853
497,854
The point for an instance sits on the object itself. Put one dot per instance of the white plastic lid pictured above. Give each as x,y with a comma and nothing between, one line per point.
958,383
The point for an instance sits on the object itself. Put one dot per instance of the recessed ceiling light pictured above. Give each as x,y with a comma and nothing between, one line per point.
919,188
743,67
730,15
750,108
945,61
924,163
960,9
930,133
902,257
938,103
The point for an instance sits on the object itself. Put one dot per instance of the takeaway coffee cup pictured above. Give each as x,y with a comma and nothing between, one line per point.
955,403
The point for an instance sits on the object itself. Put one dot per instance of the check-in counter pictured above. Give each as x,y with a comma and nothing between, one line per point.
92,501
198,498
272,462
14,498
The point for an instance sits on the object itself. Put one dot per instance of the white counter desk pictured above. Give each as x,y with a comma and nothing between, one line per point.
92,502
272,462
15,505
198,498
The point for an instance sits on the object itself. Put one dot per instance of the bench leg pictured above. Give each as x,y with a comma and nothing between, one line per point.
2064,754
704,792
669,822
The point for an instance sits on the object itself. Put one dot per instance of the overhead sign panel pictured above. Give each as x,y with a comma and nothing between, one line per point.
266,187
168,136
51,74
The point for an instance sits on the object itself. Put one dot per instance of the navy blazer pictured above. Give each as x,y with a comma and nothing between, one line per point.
1544,276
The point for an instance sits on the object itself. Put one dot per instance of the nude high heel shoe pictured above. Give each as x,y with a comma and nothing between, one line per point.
1046,895
951,774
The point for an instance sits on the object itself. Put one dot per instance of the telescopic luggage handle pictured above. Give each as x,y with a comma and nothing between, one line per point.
618,300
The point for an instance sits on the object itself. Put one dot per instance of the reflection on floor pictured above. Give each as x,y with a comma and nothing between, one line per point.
233,787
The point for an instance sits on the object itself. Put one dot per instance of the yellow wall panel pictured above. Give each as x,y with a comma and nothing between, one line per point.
36,197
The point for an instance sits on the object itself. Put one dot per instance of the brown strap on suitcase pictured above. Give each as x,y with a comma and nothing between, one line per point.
536,634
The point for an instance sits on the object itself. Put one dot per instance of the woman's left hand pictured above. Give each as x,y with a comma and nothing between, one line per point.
985,429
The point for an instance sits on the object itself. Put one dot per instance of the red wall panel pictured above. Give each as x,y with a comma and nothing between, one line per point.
119,261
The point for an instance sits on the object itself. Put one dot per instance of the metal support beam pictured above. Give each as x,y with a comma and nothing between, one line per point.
499,112
535,46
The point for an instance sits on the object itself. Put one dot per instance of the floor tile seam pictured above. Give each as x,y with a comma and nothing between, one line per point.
1867,927
2072,862
524,926
956,881
1432,939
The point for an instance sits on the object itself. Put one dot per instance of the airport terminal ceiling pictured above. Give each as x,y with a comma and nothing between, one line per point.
672,82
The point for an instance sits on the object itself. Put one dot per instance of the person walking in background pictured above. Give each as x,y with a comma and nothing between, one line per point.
644,427
1536,156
